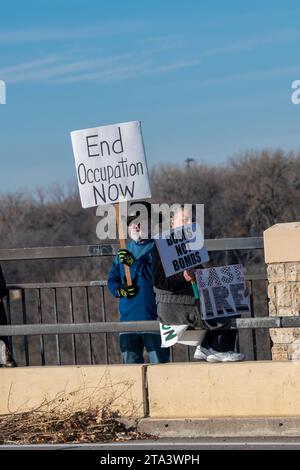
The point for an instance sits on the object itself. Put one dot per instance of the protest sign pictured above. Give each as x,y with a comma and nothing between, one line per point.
172,334
183,250
222,291
111,168
110,164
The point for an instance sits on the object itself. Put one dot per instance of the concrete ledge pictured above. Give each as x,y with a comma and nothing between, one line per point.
191,391
245,389
282,243
73,387
221,427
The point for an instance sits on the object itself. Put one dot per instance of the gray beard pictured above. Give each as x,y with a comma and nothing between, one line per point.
136,237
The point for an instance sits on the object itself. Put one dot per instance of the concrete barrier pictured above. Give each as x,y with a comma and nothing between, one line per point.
73,388
204,428
246,389
192,391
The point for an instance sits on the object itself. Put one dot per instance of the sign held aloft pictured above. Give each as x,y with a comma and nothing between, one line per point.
183,249
222,291
110,164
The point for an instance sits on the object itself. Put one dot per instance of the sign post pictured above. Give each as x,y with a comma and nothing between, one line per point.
122,243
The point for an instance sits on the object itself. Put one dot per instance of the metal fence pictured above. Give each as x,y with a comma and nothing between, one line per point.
64,306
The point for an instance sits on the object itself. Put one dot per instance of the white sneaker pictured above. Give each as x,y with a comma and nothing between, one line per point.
5,356
3,353
201,353
228,356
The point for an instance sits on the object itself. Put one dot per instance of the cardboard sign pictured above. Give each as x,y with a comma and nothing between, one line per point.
222,291
110,164
170,334
183,250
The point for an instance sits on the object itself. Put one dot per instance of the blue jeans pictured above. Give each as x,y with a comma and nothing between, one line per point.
132,348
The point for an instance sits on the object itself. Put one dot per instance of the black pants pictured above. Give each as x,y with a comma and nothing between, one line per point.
220,341
3,321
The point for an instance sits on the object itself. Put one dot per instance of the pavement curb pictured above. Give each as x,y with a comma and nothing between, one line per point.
221,427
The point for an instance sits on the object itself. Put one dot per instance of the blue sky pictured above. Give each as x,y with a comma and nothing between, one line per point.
207,79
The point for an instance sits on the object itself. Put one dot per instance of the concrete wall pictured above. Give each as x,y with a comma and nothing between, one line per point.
72,387
246,389
182,390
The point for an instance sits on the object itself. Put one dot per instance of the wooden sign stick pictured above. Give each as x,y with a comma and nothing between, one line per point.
122,243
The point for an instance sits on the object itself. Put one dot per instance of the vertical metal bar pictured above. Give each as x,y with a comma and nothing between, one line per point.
42,342
237,342
104,320
226,257
24,322
72,321
89,320
171,354
252,315
188,354
270,343
267,285
8,315
58,356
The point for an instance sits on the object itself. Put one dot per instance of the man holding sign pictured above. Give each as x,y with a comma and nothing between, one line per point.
111,168
137,302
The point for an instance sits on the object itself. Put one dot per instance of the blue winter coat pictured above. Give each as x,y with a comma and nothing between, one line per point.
143,305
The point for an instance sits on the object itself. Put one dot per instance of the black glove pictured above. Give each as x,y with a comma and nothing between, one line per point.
126,257
127,292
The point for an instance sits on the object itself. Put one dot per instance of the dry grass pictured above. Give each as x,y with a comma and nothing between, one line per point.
73,417
54,427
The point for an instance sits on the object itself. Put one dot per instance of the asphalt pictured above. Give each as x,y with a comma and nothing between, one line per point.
279,443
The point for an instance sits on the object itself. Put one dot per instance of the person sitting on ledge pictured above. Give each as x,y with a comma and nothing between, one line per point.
176,304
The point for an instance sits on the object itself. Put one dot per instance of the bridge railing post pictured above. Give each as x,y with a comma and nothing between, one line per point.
282,255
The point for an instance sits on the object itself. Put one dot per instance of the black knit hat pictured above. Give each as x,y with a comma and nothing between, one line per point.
133,213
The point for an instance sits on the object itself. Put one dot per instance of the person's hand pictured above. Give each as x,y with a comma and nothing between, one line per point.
127,292
126,257
189,275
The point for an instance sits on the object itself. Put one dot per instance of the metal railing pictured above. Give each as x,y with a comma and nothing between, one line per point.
56,320
110,249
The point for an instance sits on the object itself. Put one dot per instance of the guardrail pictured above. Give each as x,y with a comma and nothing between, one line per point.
122,327
110,249
57,315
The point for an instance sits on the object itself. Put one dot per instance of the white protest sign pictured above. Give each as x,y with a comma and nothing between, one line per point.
110,164
170,334
184,249
222,291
